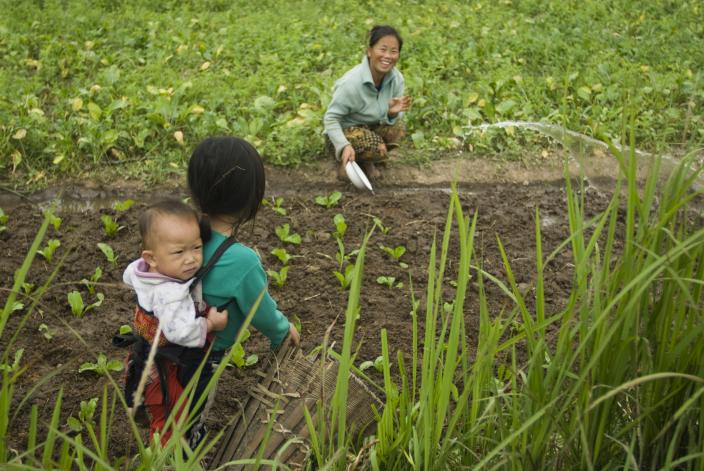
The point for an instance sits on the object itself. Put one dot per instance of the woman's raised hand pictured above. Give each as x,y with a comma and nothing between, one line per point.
399,104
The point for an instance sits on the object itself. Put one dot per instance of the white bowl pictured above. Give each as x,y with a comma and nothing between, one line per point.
357,176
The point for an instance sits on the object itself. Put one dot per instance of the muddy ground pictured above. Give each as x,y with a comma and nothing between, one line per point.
411,202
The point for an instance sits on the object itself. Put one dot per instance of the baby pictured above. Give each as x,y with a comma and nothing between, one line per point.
163,277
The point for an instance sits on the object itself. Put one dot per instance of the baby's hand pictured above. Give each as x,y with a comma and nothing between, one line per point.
217,320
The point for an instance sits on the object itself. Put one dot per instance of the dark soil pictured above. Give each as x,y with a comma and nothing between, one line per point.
414,217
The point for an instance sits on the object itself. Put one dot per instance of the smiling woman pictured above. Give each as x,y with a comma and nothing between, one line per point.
363,120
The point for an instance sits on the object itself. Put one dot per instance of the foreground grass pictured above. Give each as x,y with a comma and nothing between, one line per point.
621,387
136,84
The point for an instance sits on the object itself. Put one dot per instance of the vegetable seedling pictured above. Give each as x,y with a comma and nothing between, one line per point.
340,226
280,276
54,220
276,205
108,252
125,329
123,205
377,222
78,307
48,251
389,281
345,278
378,364
237,355
285,235
329,201
395,253
110,226
102,366
90,284
282,255
238,358
85,416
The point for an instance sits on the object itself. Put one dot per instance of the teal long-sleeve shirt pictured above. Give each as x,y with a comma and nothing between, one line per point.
356,101
239,275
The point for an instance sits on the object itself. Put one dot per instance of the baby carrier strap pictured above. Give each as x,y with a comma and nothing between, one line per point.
202,271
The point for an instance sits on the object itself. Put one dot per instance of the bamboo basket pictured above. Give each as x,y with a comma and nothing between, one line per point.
290,382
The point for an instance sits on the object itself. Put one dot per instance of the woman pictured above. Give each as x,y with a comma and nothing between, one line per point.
363,120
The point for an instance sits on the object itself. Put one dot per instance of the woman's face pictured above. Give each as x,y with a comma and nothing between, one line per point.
383,55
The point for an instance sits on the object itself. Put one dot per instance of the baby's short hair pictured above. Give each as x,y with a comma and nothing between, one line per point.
165,207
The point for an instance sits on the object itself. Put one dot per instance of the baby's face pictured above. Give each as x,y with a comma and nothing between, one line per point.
177,249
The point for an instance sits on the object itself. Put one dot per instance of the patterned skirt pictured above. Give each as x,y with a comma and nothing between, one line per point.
365,140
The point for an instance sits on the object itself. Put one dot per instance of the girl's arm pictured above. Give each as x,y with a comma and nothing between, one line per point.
268,319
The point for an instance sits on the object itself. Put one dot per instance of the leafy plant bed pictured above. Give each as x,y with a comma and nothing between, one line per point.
57,342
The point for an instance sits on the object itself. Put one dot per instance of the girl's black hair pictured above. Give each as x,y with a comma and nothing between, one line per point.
226,178
380,31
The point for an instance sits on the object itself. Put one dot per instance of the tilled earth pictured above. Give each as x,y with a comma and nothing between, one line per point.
56,343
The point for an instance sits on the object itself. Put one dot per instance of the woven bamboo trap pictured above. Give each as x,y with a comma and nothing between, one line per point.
290,382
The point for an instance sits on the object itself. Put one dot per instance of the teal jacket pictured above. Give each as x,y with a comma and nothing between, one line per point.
356,100
238,275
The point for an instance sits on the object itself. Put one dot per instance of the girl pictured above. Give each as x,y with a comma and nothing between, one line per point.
226,181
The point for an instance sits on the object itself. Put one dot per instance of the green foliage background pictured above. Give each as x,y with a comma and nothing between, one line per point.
89,84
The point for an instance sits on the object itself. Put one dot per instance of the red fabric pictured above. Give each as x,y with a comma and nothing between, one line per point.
155,404
146,324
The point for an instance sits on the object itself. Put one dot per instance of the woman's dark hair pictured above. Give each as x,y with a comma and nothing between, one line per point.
380,31
226,178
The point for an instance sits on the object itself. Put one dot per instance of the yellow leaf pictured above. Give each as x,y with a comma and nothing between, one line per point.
205,66
181,49
178,135
57,160
20,134
197,109
481,103
472,98
645,68
95,88
76,104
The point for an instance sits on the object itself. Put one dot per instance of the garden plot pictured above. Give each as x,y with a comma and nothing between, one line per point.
307,240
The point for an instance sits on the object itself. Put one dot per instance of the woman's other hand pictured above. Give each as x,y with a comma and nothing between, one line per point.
382,149
347,154
399,104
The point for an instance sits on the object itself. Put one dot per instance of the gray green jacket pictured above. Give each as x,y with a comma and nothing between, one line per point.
355,101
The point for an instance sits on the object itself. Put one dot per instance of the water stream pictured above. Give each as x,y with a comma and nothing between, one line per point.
580,146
